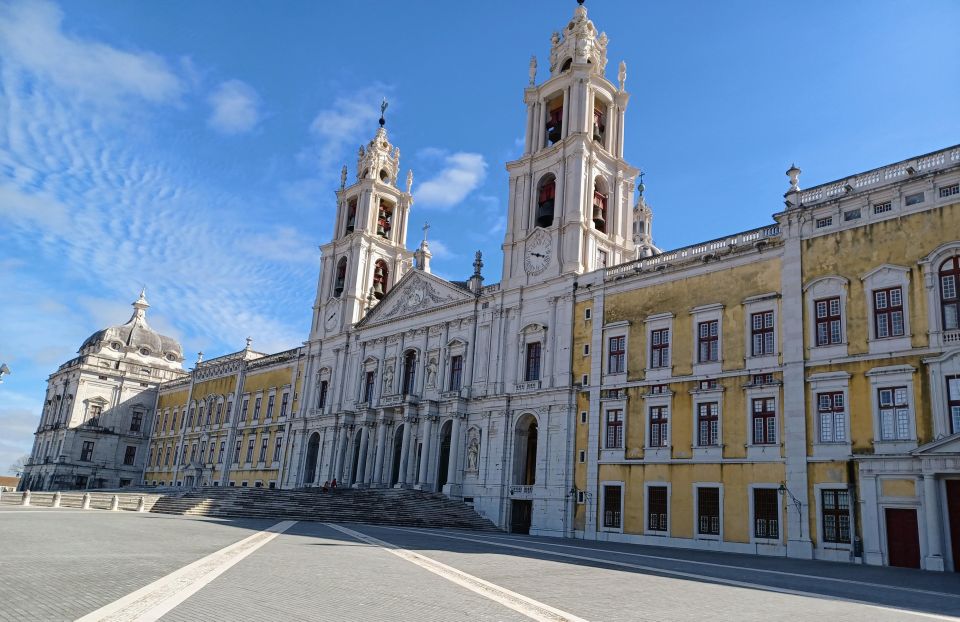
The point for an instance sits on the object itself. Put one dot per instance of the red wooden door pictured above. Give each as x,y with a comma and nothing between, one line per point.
953,509
903,539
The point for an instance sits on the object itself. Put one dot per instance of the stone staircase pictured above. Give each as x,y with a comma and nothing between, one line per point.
409,508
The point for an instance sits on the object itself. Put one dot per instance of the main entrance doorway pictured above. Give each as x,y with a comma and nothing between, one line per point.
953,510
397,451
444,454
520,513
903,538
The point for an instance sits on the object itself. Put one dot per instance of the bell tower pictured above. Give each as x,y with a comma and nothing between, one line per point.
570,205
368,253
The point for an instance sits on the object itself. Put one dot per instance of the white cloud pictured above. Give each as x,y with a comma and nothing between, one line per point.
236,107
440,250
349,119
462,173
31,36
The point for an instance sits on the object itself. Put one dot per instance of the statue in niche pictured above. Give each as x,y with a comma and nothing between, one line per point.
432,372
388,379
473,453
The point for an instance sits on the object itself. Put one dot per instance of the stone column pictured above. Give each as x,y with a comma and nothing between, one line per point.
452,487
425,454
379,451
404,453
362,461
870,517
341,451
931,509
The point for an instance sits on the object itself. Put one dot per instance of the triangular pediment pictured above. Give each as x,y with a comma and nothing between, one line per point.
946,445
417,292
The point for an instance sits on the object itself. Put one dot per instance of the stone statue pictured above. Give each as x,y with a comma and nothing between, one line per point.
473,454
622,74
555,37
409,180
388,380
533,70
432,372
343,177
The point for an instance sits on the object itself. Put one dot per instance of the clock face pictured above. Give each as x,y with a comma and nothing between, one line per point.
539,247
331,316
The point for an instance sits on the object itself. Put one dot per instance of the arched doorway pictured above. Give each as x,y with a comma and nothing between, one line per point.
313,454
445,433
357,438
397,450
524,472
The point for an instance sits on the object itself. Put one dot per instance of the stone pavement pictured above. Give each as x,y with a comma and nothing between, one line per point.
62,564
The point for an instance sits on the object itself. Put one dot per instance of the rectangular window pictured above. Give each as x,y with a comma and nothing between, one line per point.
236,452
256,408
616,355
832,417
129,454
533,362
456,372
764,421
828,321
226,417
583,416
587,313
166,458
369,380
611,506
949,300
190,418
761,333
894,414
953,402
153,452
250,446
219,417
658,389
614,429
708,511
766,513
853,214
949,191
708,344
213,447
263,449
708,424
244,406
86,452
660,348
136,422
322,395
659,426
888,312
270,402
824,222
657,508
836,516
200,416
913,199
601,259
277,446
880,208
223,449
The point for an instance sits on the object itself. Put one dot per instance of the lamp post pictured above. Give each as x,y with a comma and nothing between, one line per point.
783,490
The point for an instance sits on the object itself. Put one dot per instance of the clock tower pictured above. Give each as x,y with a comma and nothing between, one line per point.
368,253
571,192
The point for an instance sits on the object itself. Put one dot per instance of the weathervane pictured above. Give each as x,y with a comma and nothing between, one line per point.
383,109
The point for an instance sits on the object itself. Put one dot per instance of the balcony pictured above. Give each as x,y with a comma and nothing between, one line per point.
530,385
521,492
951,336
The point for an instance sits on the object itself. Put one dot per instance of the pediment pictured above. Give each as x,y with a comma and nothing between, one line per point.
946,445
417,292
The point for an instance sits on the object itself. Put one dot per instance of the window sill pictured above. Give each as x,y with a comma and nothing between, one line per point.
612,454
764,452
889,344
708,368
819,353
832,450
762,362
656,454
894,447
713,452
658,373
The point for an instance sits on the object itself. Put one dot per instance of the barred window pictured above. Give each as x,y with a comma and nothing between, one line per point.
708,511
657,508
835,512
766,513
611,506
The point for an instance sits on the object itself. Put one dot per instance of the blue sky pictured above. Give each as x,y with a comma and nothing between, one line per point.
194,146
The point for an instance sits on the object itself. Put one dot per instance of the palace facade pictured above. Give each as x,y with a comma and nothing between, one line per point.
788,390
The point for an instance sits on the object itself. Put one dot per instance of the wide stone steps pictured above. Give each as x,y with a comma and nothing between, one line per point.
386,507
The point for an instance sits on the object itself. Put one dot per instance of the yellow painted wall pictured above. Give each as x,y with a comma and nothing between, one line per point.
173,399
270,378
225,385
898,487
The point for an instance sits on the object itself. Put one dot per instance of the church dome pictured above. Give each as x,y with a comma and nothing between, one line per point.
137,336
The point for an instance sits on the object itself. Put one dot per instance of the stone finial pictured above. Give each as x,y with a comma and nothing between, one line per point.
622,74
409,180
533,70
475,282
343,177
199,357
794,174
249,342
477,263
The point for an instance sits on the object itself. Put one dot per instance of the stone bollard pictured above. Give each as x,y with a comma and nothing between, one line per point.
25,500
85,504
115,503
141,505
56,499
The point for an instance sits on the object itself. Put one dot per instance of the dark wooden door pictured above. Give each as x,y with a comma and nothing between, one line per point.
520,514
903,538
953,509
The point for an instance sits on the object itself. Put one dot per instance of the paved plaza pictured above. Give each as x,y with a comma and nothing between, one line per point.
64,564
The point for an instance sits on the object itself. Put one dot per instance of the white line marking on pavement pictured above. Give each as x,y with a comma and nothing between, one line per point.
685,575
529,607
783,573
151,602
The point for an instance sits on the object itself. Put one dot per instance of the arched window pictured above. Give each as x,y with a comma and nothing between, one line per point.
546,192
351,215
599,121
409,371
566,65
600,204
949,298
384,219
341,278
381,276
384,176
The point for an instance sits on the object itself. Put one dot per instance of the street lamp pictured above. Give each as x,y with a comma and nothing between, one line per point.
4,371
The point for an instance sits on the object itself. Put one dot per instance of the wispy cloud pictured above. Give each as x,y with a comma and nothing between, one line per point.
346,120
462,173
32,35
235,107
